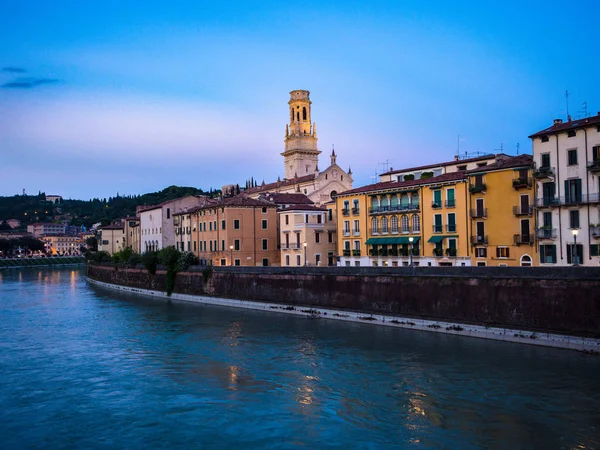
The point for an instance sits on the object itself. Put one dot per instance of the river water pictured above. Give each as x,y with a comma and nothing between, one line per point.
85,367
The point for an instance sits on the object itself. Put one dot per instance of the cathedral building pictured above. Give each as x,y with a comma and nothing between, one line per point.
301,159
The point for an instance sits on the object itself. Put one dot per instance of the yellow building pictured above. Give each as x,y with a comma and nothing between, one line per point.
60,244
132,233
502,214
423,222
111,238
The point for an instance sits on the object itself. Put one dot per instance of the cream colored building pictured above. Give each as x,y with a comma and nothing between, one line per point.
183,230
44,228
307,236
60,244
111,238
132,233
301,159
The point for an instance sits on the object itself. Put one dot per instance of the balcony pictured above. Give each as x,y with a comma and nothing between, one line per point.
450,228
451,252
476,188
438,228
346,232
438,252
347,252
479,240
290,246
545,233
544,172
523,210
355,252
594,166
436,205
345,212
478,213
355,211
595,232
450,203
355,232
523,239
522,183
547,202
414,206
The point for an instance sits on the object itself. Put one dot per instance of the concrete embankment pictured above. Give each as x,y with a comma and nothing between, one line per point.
555,307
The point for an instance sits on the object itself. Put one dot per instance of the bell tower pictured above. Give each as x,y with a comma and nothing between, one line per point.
301,156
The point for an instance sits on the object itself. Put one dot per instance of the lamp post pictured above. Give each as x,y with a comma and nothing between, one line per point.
231,255
410,254
575,231
304,245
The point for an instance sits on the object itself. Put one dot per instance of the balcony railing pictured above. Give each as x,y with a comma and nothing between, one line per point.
438,228
346,232
438,252
522,183
595,232
544,172
450,252
547,202
545,233
414,206
523,210
450,203
522,239
355,252
479,240
451,228
475,188
478,213
355,232
347,252
594,166
290,246
345,212
355,211
436,205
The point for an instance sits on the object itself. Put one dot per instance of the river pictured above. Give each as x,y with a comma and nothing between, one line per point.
86,367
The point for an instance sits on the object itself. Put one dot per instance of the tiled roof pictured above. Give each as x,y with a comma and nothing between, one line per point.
286,199
282,183
506,163
114,226
131,218
303,208
444,164
208,202
446,177
160,205
241,200
570,125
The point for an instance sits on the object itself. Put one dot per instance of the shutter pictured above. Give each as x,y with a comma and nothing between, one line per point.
553,253
508,252
497,252
569,253
578,189
567,193
595,153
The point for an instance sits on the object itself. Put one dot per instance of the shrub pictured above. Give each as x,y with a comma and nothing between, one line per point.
150,261
186,260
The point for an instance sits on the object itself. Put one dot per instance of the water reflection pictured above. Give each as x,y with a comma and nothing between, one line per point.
83,365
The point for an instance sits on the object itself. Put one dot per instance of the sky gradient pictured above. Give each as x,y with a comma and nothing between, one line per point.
115,97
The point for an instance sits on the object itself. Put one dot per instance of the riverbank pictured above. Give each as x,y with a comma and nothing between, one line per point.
135,281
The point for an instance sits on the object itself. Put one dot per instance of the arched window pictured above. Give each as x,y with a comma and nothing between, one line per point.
384,203
384,225
526,261
394,225
375,204
304,113
416,224
404,201
374,225
394,202
405,228
414,200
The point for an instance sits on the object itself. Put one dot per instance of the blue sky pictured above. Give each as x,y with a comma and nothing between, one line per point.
115,97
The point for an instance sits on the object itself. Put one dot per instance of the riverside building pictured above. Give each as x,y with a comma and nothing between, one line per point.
566,170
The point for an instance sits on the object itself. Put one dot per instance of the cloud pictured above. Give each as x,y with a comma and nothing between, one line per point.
12,69
28,83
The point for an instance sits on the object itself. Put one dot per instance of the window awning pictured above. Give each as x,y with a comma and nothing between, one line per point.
391,240
439,238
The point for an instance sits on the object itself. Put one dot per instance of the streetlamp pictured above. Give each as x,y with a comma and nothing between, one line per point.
231,255
410,262
575,231
305,244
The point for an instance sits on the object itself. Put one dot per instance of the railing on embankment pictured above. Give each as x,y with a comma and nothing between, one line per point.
54,261
552,300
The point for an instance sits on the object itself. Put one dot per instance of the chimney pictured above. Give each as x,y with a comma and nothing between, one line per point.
557,121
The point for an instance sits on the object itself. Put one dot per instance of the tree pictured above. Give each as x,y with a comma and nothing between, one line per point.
92,243
4,226
170,256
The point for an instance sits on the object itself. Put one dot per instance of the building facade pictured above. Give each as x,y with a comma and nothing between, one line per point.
132,233
45,228
566,172
111,238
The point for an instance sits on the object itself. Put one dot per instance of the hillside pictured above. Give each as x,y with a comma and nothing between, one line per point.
35,208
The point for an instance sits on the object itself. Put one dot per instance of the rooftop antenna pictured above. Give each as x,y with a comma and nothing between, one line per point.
584,110
518,148
374,177
386,165
567,100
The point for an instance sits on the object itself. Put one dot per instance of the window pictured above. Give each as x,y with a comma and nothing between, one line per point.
452,222
416,224
437,198
545,138
594,250
210,226
437,226
573,191
502,252
287,220
574,218
481,252
450,201
319,218
298,261
222,246
265,262
194,245
526,261
571,133
405,227
287,260
572,157
570,254
548,254
374,225
330,237
264,210
222,224
264,224
236,225
223,262
236,244
330,215
265,244
317,238
346,227
356,209
356,227
545,160
596,153
237,262
394,225
168,213
306,218
384,225
211,242
481,264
